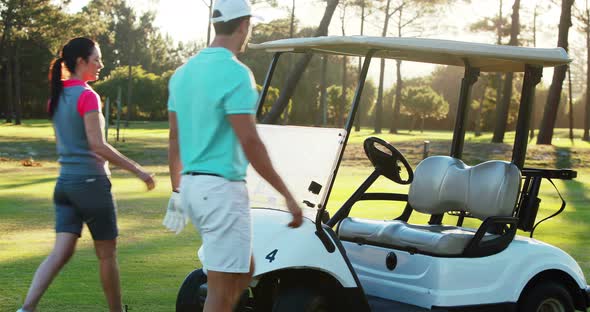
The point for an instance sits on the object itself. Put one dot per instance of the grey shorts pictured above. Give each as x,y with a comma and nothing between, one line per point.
86,199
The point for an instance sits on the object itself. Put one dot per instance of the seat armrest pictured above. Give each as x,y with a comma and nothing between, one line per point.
477,247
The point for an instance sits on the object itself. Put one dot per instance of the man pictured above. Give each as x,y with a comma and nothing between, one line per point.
212,107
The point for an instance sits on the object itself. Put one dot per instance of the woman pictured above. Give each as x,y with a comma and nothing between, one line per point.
83,190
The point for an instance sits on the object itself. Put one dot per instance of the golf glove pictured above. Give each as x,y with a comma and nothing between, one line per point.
175,218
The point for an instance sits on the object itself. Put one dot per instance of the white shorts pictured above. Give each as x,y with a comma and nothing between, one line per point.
220,211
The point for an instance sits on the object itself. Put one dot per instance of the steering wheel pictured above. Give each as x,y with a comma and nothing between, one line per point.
387,161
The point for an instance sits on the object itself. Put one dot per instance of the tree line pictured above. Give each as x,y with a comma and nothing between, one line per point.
139,59
33,32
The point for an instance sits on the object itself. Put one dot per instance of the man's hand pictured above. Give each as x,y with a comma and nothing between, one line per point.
296,212
245,128
175,218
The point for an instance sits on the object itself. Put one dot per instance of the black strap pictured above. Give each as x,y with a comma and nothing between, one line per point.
556,213
195,173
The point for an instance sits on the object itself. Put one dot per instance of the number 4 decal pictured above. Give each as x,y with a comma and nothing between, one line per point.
271,256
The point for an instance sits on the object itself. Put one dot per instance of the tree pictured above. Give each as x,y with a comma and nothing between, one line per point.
535,15
128,32
366,104
504,105
570,104
550,114
365,7
293,78
446,80
130,39
379,103
209,6
33,32
292,23
479,108
334,100
151,90
8,21
322,72
323,107
292,27
409,14
271,96
418,9
500,26
422,102
583,17
343,101
401,23
30,29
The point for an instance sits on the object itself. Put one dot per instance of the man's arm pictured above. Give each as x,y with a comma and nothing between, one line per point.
245,128
173,152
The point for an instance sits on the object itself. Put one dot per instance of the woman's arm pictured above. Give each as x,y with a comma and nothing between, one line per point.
98,144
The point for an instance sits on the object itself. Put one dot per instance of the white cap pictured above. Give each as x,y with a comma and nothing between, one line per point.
231,9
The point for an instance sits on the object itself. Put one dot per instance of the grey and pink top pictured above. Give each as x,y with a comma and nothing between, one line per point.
75,155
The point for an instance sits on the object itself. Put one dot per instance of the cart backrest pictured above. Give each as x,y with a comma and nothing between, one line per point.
443,184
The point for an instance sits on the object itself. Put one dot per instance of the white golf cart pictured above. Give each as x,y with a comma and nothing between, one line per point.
351,264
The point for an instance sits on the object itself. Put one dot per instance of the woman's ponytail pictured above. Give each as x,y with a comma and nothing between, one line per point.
56,84
76,48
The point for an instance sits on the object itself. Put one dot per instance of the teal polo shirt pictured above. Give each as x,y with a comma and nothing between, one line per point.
203,92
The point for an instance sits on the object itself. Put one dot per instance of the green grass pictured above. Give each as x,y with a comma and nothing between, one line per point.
153,262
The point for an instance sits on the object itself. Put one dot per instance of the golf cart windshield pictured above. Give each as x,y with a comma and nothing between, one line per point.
304,156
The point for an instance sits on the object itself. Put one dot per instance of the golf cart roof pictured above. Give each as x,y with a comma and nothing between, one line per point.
486,57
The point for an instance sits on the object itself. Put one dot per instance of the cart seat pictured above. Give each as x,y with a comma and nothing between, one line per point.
431,239
443,184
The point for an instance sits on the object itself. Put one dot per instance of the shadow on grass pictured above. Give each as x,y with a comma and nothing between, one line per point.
18,213
37,181
577,211
147,125
408,134
31,123
149,151
568,230
25,148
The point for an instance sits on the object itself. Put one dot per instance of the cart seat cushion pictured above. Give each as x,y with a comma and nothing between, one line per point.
431,239
443,184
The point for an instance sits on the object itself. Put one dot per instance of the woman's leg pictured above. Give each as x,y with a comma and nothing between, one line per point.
95,203
106,251
65,244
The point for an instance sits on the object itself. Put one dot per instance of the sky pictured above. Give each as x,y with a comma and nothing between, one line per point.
186,20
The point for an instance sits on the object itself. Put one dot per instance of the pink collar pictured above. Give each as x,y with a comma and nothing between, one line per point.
74,83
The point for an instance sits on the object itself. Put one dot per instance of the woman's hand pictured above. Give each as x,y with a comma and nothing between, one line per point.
148,179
